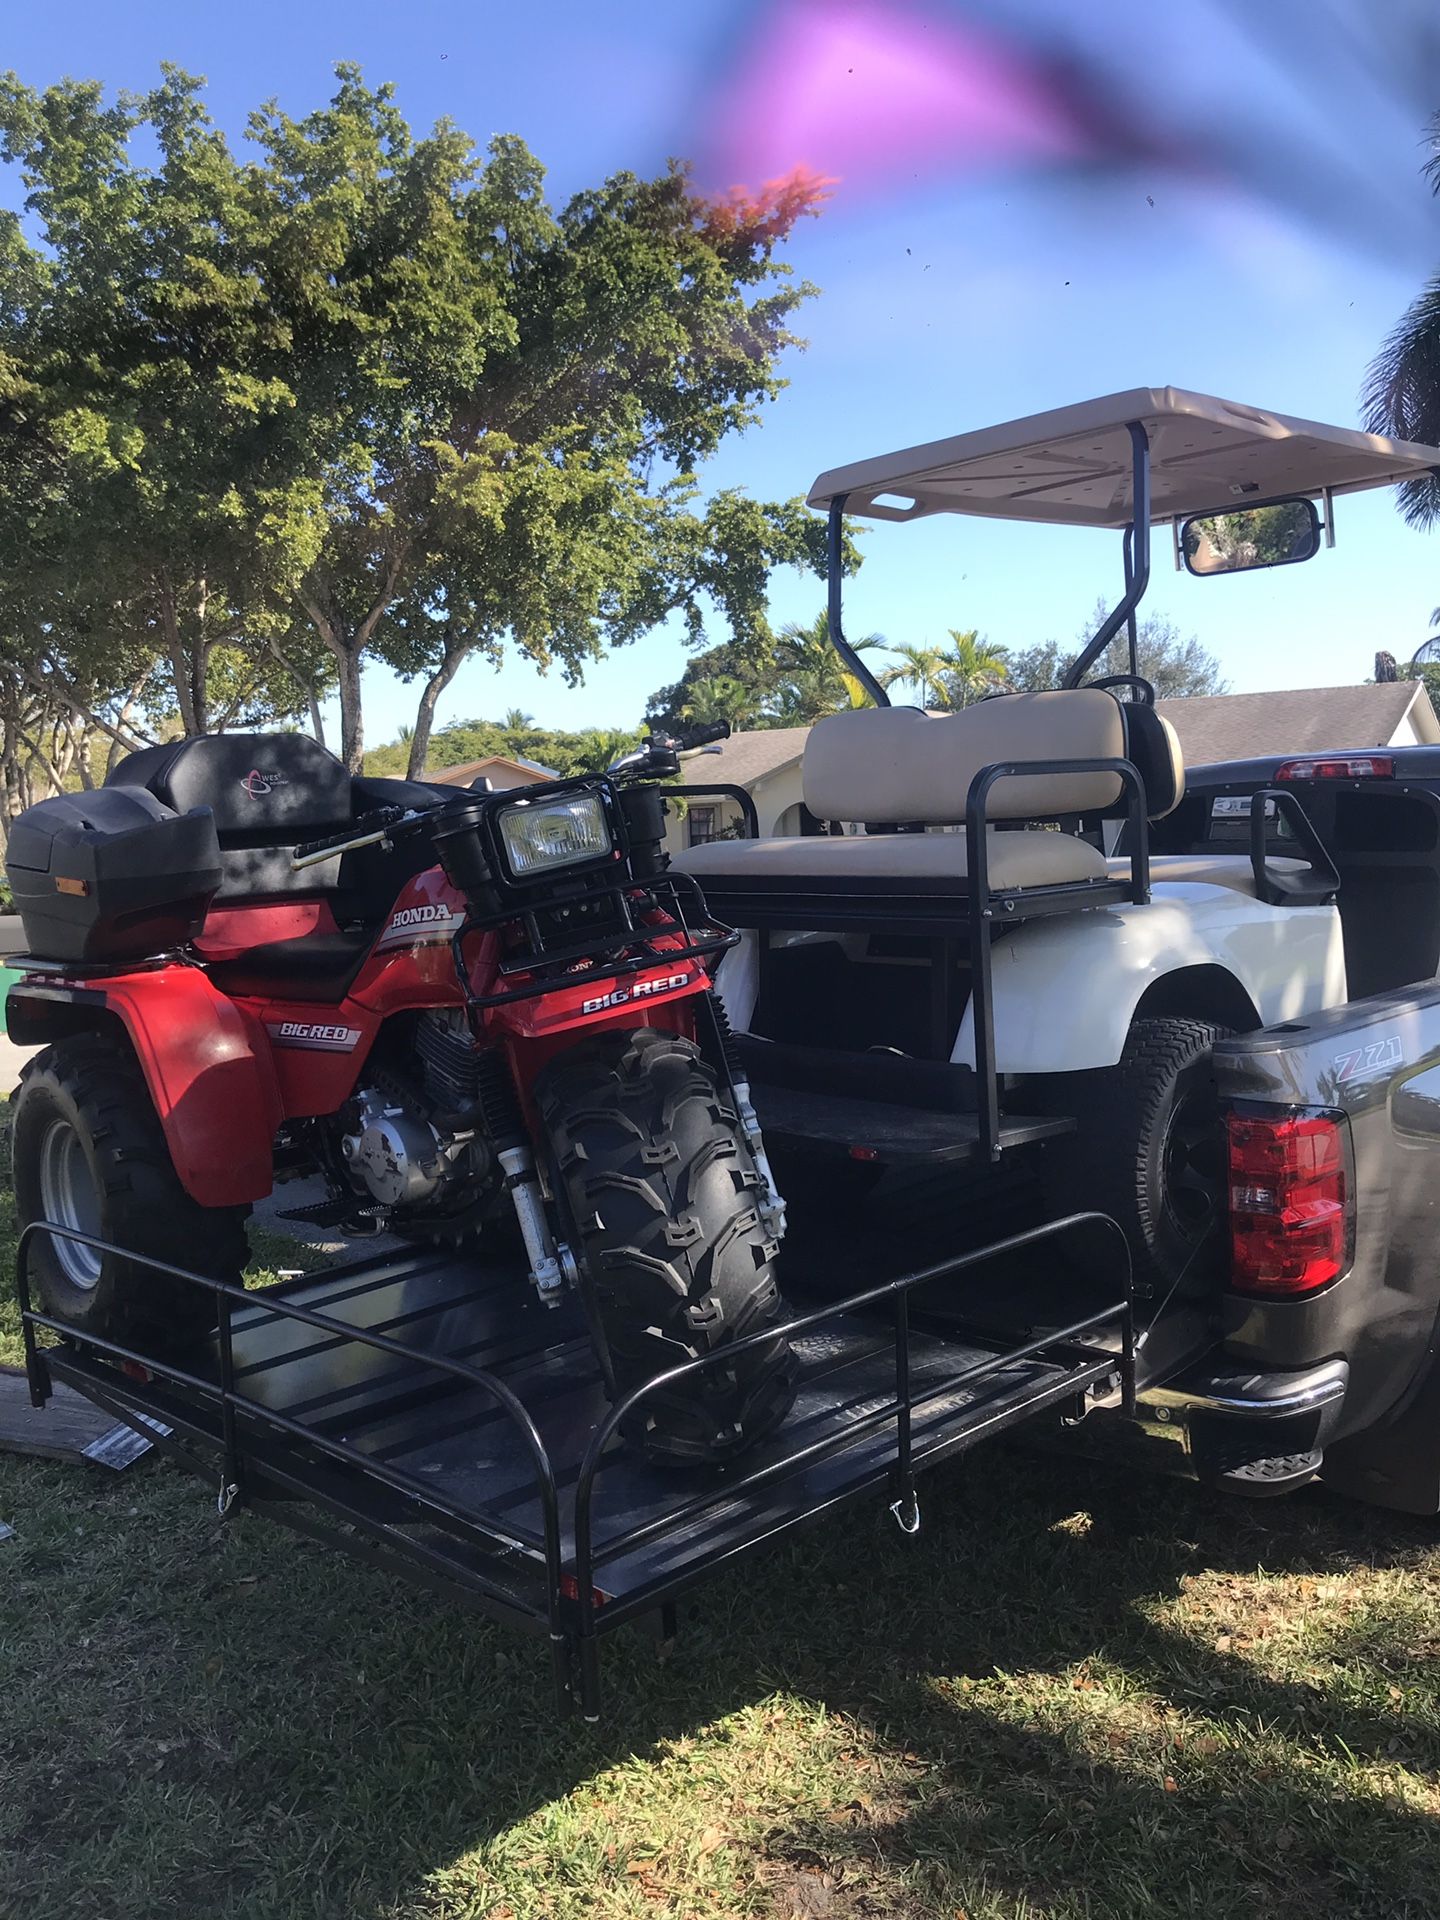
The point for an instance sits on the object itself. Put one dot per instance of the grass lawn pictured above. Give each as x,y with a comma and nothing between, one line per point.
1072,1696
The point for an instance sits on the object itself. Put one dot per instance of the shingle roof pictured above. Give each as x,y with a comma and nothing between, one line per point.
747,757
1246,726
1219,726
492,763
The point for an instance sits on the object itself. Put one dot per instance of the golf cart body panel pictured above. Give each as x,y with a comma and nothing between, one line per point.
1072,466
1095,969
1066,990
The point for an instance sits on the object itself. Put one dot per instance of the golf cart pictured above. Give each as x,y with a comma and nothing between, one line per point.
982,953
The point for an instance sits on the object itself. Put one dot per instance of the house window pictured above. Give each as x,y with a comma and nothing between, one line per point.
704,825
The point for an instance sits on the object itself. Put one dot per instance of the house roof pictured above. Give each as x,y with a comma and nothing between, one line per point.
490,765
746,757
1245,726
1218,726
1072,465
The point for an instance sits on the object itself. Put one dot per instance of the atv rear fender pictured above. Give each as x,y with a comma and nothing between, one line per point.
206,1062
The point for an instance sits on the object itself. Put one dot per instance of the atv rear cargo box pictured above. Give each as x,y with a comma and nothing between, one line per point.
111,875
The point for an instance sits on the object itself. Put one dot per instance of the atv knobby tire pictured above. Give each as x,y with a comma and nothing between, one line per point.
1148,1149
84,1125
661,1189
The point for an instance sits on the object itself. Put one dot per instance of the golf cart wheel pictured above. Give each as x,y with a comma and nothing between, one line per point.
660,1190
89,1154
1149,1150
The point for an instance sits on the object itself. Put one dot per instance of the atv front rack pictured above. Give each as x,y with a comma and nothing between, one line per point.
440,1423
602,953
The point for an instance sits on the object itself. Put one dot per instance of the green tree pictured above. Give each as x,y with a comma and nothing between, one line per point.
1176,668
921,670
177,511
808,678
375,391
720,697
970,669
1402,388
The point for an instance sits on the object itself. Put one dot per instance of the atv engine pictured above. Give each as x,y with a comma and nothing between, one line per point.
412,1142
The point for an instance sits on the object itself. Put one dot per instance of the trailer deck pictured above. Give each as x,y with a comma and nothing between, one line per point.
435,1418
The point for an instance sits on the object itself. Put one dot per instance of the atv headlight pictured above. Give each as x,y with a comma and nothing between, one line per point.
540,835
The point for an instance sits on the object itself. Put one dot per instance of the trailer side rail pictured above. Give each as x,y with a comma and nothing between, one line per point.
265,1451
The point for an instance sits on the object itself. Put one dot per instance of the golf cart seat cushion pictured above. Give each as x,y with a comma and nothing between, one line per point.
936,861
892,765
1152,747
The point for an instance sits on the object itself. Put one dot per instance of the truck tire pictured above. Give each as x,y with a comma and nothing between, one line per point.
1149,1150
88,1153
659,1186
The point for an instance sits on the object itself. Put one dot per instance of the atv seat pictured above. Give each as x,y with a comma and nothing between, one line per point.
900,767
267,792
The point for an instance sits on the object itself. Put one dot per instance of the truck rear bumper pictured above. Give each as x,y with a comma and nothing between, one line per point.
1226,1391
1256,1433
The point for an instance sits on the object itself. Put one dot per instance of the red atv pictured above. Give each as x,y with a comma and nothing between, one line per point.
471,1012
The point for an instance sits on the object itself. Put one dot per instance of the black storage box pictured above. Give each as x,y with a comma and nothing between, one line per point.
111,875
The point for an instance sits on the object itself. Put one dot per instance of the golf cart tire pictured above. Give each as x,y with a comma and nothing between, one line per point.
1116,1160
661,1190
87,1097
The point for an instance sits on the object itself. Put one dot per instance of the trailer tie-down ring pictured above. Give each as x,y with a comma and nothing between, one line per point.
906,1511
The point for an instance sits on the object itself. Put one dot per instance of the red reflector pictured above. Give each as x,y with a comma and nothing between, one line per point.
570,1588
134,1371
864,1153
1289,1204
1350,766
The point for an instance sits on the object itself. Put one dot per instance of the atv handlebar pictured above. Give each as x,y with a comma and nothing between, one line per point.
375,827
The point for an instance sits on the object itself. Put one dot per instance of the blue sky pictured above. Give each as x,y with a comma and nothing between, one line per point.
948,301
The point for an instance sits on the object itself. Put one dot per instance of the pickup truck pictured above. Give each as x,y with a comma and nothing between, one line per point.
1337,1379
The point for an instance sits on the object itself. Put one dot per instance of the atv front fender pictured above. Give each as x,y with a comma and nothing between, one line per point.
206,1062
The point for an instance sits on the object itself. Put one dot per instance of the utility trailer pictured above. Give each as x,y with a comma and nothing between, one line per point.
410,1411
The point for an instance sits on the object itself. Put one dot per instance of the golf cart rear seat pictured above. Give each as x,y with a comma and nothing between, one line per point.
898,767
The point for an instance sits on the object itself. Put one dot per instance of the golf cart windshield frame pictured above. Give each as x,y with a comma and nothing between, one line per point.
1136,555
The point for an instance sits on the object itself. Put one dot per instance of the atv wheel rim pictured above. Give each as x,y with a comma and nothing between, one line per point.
68,1199
1194,1165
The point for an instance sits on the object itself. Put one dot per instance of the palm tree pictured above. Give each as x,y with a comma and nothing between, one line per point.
721,697
1402,388
810,678
971,669
517,722
597,748
922,669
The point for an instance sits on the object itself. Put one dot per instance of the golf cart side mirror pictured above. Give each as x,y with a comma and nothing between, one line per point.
1274,535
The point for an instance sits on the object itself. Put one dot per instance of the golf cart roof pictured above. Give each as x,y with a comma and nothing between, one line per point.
1073,465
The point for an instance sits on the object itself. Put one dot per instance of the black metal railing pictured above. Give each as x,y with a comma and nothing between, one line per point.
901,1411
575,1610
610,953
454,1516
988,908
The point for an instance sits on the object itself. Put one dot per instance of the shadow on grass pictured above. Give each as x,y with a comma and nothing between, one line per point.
225,1719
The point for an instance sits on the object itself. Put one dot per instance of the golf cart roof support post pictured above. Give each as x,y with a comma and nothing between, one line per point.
834,570
1137,557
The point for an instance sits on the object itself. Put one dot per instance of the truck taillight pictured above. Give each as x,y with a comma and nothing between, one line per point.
1289,1202
1344,766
